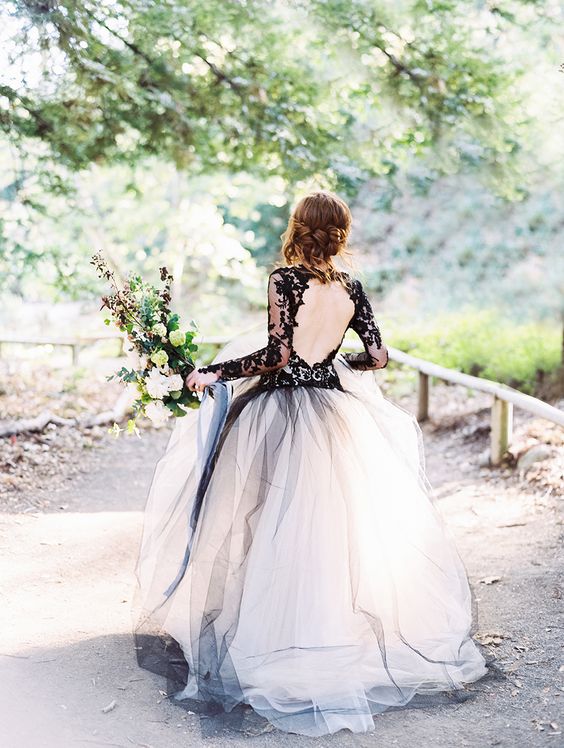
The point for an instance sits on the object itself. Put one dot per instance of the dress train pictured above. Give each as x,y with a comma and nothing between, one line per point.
293,559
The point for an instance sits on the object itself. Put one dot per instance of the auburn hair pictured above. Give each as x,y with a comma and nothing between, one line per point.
317,231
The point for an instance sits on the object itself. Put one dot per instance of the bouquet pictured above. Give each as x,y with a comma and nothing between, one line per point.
165,350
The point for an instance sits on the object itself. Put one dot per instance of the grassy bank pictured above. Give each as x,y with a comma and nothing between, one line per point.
483,344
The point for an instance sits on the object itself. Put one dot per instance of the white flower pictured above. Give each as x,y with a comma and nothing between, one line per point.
133,390
159,329
157,412
156,384
174,382
177,337
160,358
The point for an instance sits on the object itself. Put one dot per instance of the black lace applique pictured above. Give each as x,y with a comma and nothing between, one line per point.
290,284
277,363
375,356
299,372
277,351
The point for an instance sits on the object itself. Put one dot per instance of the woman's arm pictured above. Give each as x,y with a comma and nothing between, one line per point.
375,355
273,356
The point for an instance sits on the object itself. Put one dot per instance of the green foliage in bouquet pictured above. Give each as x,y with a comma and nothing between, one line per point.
166,352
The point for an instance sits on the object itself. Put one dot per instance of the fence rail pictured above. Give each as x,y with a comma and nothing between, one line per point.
504,398
76,345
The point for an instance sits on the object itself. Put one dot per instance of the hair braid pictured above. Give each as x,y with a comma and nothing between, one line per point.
317,231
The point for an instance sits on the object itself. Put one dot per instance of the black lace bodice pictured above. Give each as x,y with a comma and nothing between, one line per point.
277,363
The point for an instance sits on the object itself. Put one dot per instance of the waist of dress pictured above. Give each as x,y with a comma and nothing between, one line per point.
301,374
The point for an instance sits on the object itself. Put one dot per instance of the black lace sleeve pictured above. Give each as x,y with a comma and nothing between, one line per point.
375,355
276,353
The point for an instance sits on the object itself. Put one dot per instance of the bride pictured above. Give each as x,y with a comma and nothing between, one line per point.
293,564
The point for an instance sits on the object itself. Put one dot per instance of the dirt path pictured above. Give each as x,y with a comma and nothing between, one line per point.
66,650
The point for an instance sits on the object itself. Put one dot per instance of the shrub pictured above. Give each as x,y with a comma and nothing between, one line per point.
482,343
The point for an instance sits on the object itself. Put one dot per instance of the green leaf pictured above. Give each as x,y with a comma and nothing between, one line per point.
175,410
186,396
172,323
132,428
193,404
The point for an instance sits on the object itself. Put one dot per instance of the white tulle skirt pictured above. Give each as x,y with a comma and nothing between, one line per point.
293,562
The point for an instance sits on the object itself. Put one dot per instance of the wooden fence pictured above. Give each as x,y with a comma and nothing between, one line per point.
75,345
504,398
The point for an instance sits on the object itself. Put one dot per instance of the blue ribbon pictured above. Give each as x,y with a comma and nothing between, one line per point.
218,397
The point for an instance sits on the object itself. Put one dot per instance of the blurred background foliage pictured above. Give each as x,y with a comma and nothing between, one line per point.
182,132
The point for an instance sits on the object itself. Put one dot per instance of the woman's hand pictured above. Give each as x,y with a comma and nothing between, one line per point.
197,381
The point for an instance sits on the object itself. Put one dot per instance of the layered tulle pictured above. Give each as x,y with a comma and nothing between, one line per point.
293,560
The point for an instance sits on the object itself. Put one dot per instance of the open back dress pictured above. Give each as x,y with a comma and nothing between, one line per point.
294,567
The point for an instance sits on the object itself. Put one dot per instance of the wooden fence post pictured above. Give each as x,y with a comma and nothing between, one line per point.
75,353
501,429
423,397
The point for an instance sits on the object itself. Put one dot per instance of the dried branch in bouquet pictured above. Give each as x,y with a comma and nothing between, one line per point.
142,311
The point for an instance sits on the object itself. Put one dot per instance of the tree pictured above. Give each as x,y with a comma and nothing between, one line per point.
343,88
331,93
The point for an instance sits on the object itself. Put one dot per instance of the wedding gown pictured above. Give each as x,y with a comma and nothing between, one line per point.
293,564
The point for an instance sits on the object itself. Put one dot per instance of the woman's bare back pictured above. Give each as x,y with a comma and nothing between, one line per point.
322,320
307,320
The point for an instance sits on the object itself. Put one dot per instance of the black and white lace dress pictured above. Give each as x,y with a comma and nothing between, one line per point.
294,567
286,288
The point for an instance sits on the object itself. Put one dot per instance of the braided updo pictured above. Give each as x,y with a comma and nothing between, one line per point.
317,231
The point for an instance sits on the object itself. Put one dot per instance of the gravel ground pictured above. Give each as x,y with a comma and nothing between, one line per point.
67,554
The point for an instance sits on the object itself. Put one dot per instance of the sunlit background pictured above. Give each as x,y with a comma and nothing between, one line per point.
182,134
